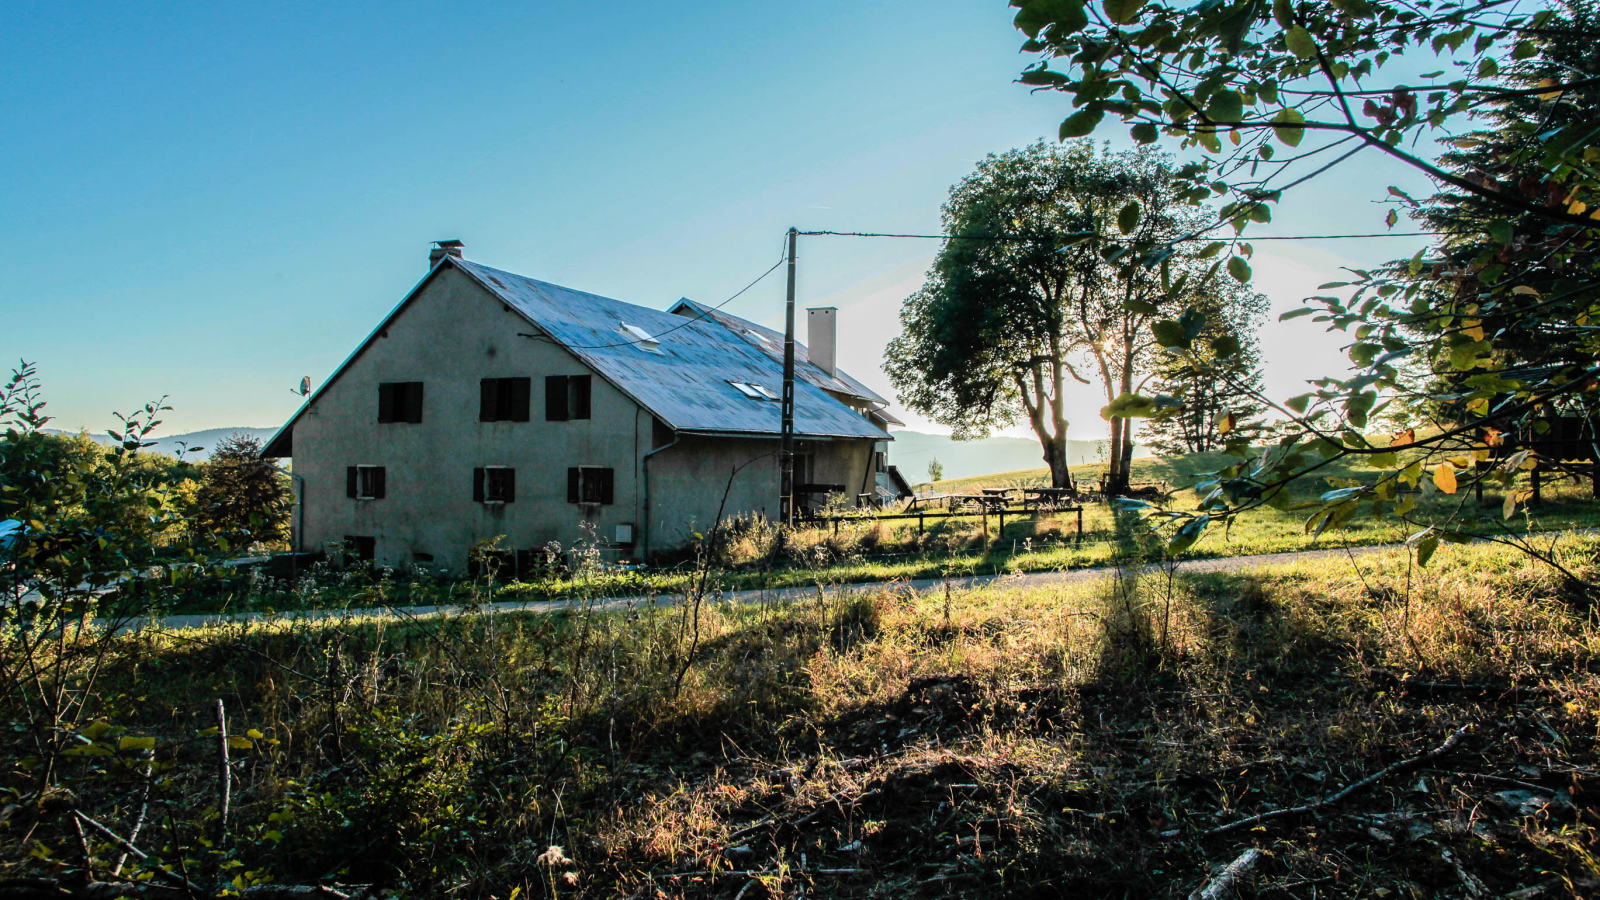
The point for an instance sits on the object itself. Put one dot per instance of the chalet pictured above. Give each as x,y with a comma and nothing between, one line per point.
490,404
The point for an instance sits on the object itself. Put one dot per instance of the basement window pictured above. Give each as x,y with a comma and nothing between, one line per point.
365,482
641,338
494,484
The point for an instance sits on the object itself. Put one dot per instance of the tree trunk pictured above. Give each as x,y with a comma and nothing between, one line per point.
1127,452
1055,455
1114,480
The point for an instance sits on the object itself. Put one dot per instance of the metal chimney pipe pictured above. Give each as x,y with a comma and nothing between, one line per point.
822,338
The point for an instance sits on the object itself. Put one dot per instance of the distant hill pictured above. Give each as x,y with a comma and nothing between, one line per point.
912,450
206,439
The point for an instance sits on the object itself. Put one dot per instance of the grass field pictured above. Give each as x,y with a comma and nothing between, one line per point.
1077,741
870,551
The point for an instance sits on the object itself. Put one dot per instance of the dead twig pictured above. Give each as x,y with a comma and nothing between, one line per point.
1401,766
224,774
1221,884
128,848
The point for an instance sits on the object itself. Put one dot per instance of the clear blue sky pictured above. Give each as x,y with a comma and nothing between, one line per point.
211,200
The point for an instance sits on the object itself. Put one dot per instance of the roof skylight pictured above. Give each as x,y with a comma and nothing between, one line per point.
641,337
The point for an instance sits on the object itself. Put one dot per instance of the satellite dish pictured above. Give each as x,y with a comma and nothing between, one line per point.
305,386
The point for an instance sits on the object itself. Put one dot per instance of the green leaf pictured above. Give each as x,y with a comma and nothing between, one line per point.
1169,333
1299,42
1425,541
1239,269
136,743
1225,346
1226,106
1287,126
1211,249
1081,122
1128,406
1144,133
1283,12
1128,217
1122,12
1524,50
1067,17
1296,313
1501,231
1188,534
1488,68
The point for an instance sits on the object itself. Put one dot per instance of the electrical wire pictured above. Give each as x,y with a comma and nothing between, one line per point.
688,320
1085,235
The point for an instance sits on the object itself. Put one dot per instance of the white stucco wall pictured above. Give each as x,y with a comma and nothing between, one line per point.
450,336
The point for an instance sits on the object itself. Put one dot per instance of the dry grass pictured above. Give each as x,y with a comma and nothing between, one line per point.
1067,741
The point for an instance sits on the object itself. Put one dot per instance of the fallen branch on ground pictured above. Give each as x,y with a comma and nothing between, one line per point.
1222,883
1401,766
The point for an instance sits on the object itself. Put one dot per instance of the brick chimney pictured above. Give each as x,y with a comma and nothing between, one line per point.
441,249
822,338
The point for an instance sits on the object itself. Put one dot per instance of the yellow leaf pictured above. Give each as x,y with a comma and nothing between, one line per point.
237,742
137,743
254,734
1577,207
1473,328
1444,478
1548,95
1524,289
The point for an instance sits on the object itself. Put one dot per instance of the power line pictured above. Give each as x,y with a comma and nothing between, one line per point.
688,320
1085,235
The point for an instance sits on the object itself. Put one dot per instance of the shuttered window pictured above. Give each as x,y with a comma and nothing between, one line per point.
566,397
365,482
400,401
494,484
591,484
504,399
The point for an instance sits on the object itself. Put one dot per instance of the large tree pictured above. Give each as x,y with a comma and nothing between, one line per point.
1035,285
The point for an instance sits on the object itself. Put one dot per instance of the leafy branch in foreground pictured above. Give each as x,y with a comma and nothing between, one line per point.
1487,342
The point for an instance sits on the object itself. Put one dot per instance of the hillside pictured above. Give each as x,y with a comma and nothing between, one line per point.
204,440
912,450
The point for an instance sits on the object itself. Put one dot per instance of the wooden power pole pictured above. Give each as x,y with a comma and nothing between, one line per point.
786,448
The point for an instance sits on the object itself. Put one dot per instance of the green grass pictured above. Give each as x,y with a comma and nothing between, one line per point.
871,552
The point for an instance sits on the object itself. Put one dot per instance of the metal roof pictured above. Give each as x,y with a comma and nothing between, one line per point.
684,377
770,342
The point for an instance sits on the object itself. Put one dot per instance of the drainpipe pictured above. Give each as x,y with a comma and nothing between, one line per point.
644,537
299,536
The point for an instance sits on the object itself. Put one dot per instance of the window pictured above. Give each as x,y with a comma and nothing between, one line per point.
400,401
365,482
753,391
360,548
504,399
590,484
494,484
566,397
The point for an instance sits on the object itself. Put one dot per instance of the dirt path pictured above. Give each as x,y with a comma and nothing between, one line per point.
775,595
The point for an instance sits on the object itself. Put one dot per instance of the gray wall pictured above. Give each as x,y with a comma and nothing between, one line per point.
451,335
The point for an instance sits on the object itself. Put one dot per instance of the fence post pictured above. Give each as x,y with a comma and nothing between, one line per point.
1080,525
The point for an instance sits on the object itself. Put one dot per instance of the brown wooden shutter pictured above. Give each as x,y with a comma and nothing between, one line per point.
477,485
555,398
521,388
380,483
580,396
350,479
572,485
606,485
488,399
414,403
385,403
508,485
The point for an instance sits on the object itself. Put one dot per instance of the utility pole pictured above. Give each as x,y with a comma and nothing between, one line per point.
786,448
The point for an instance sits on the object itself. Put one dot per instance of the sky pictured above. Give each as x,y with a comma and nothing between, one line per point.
208,201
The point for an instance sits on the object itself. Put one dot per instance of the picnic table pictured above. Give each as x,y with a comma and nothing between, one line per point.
1051,496
983,500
